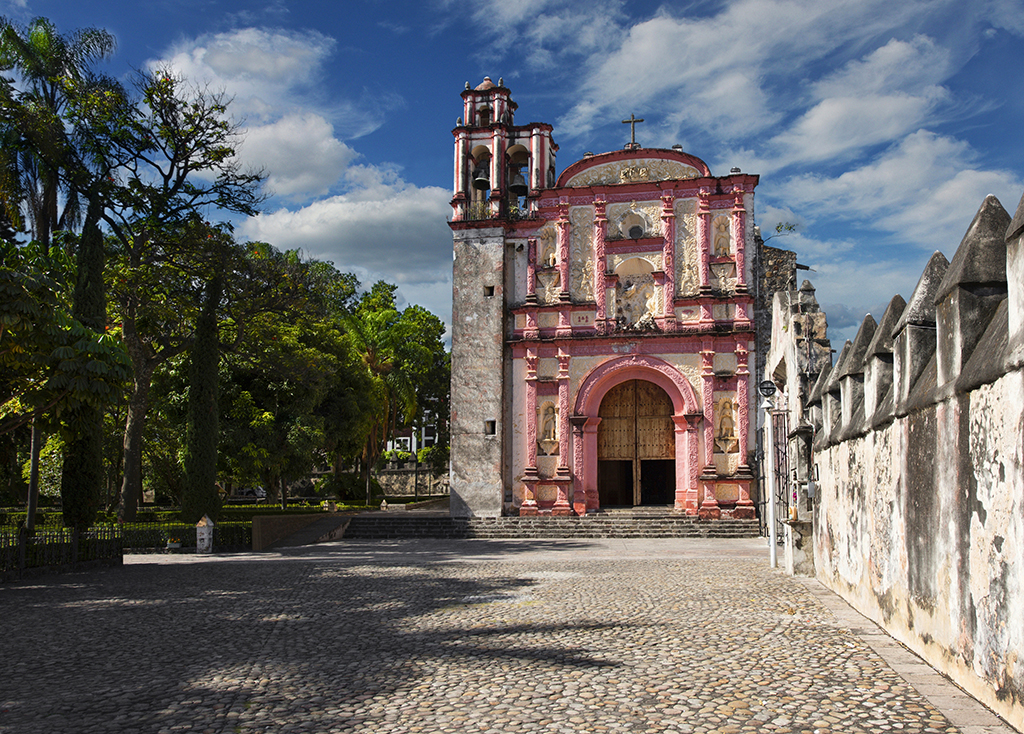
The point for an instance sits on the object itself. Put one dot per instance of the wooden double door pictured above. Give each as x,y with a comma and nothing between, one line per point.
636,446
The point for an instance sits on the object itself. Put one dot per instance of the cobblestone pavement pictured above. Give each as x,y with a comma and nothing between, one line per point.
452,636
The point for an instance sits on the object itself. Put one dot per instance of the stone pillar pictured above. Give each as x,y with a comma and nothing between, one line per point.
531,270
683,466
461,175
600,266
590,462
709,474
564,328
562,475
744,477
668,219
563,247
579,491
704,238
530,475
739,238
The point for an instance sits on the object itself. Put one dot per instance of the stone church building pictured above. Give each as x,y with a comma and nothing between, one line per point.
602,325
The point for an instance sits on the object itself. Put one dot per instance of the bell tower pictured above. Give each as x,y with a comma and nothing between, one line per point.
500,167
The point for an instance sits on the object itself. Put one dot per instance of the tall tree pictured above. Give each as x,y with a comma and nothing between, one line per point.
177,148
201,429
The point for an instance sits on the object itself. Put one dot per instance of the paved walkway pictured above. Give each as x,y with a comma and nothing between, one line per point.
497,637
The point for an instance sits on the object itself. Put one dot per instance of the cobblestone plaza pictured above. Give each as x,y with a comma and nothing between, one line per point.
672,635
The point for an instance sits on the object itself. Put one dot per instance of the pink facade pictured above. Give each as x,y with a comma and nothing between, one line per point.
624,325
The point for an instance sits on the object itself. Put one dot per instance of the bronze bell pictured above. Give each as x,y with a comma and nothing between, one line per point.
481,179
518,186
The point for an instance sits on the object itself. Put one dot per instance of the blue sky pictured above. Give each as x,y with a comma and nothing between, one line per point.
877,127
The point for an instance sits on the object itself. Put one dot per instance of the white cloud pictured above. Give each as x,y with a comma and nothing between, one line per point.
259,68
924,191
273,79
299,152
724,73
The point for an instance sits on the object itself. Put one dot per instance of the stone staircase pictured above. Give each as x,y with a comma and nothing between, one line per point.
618,524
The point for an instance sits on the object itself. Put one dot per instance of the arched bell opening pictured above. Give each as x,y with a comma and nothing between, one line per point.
518,158
479,177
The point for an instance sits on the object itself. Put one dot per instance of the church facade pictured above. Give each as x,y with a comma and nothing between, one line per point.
602,325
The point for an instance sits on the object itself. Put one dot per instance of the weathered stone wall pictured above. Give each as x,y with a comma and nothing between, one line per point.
477,413
405,481
919,517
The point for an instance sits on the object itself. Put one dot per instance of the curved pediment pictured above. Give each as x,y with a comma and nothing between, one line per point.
635,166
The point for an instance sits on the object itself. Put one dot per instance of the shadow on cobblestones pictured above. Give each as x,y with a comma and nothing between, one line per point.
347,638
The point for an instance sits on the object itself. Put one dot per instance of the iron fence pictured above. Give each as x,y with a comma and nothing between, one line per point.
56,549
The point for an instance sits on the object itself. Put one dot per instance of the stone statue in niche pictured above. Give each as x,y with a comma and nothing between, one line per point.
548,442
547,255
726,441
723,237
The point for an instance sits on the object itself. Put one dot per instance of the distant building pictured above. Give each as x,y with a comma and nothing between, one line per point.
602,325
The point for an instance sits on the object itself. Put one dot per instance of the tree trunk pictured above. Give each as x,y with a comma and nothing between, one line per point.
201,429
82,474
138,404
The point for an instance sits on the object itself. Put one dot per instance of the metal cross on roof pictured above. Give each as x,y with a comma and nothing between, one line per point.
632,121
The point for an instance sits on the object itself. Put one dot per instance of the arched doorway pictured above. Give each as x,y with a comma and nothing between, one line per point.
636,446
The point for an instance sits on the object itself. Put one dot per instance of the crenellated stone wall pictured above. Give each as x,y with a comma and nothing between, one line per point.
919,449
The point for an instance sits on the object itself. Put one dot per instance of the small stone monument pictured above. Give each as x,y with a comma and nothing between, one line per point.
204,535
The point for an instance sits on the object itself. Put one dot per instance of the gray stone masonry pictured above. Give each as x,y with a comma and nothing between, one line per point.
477,425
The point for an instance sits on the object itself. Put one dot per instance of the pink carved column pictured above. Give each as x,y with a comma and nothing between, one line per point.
739,236
532,331
564,328
683,466
563,247
668,219
709,475
744,505
704,238
531,269
562,475
600,265
579,489
530,475
461,174
590,462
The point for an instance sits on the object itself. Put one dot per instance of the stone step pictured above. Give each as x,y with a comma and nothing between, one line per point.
619,525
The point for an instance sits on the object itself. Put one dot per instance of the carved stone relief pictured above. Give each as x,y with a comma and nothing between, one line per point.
723,277
622,218
548,286
687,277
638,169
581,253
637,299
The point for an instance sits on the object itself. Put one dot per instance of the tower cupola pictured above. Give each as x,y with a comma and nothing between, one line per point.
500,167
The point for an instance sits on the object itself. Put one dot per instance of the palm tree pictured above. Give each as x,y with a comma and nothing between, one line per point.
49,65
390,346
